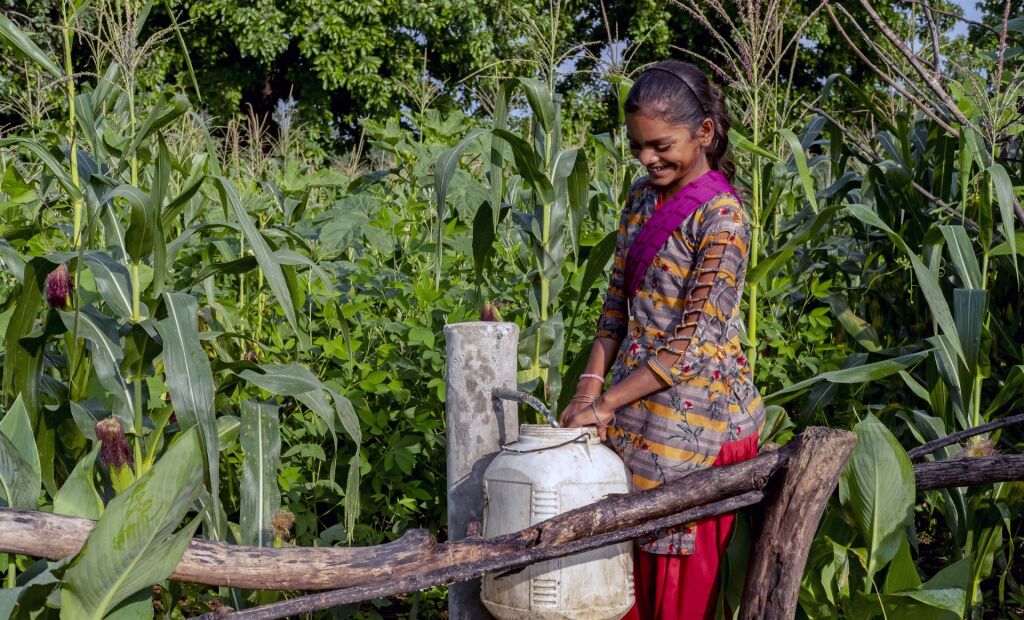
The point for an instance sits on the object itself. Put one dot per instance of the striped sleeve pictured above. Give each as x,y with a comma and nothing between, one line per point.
715,294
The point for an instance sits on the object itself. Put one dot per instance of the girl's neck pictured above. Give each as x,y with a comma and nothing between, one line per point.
699,169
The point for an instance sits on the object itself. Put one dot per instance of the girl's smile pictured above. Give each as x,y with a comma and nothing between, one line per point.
672,154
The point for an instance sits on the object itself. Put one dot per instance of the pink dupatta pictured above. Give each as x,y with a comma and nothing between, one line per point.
667,219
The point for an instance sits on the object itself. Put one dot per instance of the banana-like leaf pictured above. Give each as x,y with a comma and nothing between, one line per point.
20,470
295,380
800,158
879,491
113,281
444,171
1005,194
961,254
264,255
137,542
12,261
101,334
926,278
261,498
857,374
902,573
16,38
77,497
190,381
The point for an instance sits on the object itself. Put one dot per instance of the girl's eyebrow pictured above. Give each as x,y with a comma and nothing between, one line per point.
654,141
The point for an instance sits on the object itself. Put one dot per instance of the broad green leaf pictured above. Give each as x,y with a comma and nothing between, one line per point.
168,108
23,364
261,498
879,480
77,497
137,542
19,40
597,264
949,369
19,484
11,261
353,505
857,374
961,254
927,279
444,171
797,149
902,574
264,255
113,281
190,380
1005,194
16,427
101,335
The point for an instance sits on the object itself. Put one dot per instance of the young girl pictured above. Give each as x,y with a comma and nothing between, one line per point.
681,395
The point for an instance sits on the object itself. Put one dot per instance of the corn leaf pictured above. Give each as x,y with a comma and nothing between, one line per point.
20,471
927,279
260,438
264,255
1005,195
190,382
17,38
137,542
804,174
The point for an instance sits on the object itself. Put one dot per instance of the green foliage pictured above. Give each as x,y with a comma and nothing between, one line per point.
267,329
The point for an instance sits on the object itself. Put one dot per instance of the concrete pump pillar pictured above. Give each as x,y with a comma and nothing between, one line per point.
481,357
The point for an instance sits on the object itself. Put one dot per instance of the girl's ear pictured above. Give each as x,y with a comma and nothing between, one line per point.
706,132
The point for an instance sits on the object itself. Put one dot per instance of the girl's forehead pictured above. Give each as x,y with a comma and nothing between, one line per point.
642,126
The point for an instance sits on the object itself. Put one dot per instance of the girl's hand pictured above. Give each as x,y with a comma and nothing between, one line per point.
585,411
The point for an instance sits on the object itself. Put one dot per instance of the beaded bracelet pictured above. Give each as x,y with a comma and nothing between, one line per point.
590,375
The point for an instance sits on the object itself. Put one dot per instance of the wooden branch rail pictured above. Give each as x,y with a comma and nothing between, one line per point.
794,481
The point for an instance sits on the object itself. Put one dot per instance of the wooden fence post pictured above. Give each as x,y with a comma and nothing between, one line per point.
792,508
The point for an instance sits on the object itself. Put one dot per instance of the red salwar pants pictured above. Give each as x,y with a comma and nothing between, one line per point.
685,587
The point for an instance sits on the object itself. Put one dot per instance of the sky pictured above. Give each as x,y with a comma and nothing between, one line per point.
970,12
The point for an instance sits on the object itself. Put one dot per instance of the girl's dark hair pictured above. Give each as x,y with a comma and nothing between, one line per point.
681,94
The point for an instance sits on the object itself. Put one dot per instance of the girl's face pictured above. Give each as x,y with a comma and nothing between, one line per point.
674,155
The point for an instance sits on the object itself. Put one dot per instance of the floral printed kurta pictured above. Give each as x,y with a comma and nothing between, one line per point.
711,398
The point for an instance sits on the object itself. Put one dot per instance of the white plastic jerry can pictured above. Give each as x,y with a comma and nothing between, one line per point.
547,472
